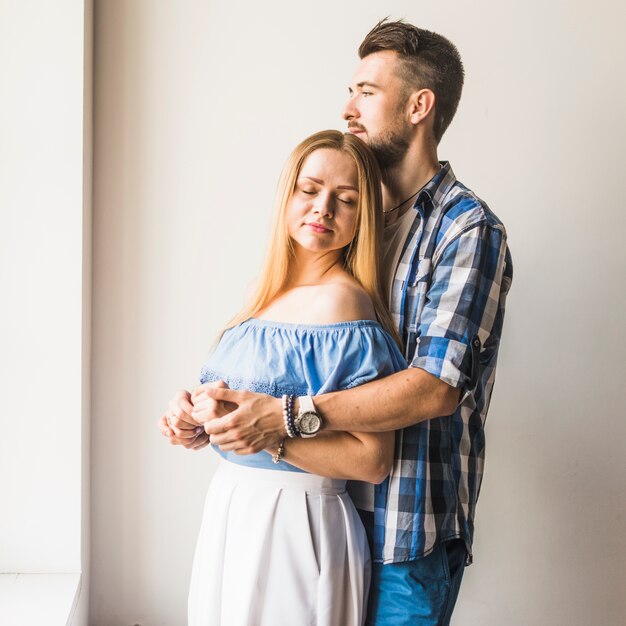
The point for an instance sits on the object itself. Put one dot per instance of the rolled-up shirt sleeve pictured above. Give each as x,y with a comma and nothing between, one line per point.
460,322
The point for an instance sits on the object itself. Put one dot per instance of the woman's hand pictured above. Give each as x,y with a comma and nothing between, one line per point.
255,421
188,413
179,426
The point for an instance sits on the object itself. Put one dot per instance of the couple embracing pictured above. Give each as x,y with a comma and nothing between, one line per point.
348,398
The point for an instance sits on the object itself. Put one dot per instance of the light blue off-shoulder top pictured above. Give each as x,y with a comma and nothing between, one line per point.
278,358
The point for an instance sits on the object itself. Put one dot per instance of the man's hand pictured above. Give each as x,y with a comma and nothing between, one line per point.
206,408
255,424
179,426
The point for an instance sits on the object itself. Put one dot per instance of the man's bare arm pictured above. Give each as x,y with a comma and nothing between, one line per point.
390,403
397,401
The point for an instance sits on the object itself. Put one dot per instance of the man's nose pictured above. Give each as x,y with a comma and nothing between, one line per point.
349,110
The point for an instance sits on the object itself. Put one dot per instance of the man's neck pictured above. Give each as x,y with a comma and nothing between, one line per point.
403,182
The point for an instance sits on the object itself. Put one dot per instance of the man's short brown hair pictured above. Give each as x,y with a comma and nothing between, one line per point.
428,61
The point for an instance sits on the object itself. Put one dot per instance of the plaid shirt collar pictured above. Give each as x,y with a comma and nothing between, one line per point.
435,190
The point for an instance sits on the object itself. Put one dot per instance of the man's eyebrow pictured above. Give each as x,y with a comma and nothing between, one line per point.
319,181
364,83
367,83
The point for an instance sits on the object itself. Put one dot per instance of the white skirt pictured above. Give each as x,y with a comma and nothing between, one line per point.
278,547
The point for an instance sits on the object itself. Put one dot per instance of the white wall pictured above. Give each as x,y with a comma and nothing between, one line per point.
196,107
45,286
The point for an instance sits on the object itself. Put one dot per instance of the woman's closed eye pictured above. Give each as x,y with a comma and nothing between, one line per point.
349,200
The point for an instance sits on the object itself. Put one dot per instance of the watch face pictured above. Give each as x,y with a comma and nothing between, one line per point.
309,423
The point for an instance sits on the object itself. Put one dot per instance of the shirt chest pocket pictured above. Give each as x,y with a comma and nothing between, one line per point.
416,294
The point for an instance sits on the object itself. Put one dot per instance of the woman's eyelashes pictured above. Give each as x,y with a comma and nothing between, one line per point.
348,200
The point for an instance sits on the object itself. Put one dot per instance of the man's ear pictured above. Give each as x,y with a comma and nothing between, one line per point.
421,105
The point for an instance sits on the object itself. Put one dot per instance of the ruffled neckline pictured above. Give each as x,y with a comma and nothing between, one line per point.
255,321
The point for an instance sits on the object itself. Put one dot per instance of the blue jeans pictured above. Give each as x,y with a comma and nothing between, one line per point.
417,593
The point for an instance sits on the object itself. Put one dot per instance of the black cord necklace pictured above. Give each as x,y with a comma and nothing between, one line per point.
395,208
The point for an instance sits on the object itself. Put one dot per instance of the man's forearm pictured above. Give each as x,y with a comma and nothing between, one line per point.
397,401
390,403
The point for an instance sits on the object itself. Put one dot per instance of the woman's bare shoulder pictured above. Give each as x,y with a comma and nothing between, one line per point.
343,300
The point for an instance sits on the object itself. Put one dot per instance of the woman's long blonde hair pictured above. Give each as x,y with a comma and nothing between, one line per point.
362,257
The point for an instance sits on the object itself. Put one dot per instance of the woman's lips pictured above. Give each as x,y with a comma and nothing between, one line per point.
318,228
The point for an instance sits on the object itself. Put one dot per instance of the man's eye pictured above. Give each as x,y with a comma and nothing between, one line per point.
366,93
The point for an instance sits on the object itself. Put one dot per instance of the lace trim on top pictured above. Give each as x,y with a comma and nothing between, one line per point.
271,389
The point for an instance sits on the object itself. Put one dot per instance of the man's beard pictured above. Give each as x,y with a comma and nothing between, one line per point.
390,146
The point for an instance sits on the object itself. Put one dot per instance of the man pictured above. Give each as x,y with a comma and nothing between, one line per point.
449,271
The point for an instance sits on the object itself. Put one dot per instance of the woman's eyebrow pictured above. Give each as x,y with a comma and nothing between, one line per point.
319,181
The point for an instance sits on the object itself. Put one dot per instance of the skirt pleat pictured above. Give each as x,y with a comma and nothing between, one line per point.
278,547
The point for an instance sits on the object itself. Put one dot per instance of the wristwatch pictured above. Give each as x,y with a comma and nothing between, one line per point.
308,421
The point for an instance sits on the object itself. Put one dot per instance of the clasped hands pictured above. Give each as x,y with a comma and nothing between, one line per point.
241,421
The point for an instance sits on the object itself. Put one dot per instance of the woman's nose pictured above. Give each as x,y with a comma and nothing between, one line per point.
324,205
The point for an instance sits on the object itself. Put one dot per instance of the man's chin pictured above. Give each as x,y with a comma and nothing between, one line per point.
388,155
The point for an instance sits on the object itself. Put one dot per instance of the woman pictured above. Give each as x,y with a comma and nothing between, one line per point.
281,544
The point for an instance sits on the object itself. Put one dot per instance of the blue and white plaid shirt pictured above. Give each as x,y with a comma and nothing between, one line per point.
447,298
